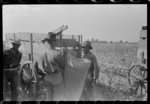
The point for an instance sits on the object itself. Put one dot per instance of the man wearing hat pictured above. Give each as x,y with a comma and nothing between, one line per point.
11,58
93,73
51,62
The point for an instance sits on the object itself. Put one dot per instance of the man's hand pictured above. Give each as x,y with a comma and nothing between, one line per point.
95,82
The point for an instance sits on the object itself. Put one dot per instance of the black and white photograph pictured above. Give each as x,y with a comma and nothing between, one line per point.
74,52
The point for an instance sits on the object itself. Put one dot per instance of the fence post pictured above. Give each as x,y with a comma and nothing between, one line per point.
75,45
31,37
60,40
81,39
14,36
29,56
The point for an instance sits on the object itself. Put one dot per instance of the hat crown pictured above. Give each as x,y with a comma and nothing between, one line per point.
50,36
16,41
87,43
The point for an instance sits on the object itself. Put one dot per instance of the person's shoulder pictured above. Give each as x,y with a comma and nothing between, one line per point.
7,51
92,54
19,52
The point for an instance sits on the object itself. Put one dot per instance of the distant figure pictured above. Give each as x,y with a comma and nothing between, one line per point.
12,59
52,63
93,73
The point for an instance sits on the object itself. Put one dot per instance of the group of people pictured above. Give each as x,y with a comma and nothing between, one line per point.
52,64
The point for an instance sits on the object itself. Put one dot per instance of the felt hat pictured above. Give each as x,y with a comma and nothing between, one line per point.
87,44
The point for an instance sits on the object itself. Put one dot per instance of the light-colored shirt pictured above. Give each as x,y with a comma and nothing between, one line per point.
51,61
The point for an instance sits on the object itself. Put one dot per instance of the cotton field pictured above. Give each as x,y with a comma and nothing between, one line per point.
115,59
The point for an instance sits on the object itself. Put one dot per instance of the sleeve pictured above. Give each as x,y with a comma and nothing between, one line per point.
96,67
20,57
60,59
40,63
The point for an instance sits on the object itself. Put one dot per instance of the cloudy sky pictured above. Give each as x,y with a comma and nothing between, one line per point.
103,22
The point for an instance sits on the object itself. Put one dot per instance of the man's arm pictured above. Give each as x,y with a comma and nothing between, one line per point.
19,60
60,60
40,63
96,68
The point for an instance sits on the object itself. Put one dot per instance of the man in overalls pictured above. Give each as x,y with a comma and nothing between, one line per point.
52,63
11,58
93,73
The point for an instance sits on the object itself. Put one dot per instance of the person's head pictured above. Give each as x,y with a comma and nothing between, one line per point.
86,47
50,39
16,44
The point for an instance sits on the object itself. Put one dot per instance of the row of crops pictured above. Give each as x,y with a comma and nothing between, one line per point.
114,62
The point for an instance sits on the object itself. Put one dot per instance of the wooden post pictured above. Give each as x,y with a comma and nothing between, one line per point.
72,36
29,56
14,36
31,37
80,49
74,47
60,40
81,39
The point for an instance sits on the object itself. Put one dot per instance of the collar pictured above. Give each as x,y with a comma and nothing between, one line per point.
12,50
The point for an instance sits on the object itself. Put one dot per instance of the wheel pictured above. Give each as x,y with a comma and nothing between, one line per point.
137,77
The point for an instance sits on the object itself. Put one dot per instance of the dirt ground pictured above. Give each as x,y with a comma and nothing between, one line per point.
101,93
104,93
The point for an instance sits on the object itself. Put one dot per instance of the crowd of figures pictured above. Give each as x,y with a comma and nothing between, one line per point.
44,79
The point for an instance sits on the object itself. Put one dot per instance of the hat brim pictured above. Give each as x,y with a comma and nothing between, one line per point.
86,46
15,43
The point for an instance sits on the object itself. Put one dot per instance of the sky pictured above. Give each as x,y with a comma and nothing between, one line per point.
102,22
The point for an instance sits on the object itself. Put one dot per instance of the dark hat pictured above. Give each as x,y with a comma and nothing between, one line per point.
16,42
87,44
50,37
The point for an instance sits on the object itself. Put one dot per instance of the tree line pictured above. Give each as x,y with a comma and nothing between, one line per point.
103,41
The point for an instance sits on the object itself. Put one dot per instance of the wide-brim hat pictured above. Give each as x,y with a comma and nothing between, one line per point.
16,42
87,44
50,37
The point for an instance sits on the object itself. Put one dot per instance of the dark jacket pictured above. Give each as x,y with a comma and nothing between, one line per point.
94,69
11,58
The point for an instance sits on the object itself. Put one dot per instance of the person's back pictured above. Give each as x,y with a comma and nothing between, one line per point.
51,62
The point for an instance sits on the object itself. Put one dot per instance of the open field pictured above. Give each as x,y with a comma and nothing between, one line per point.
114,61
